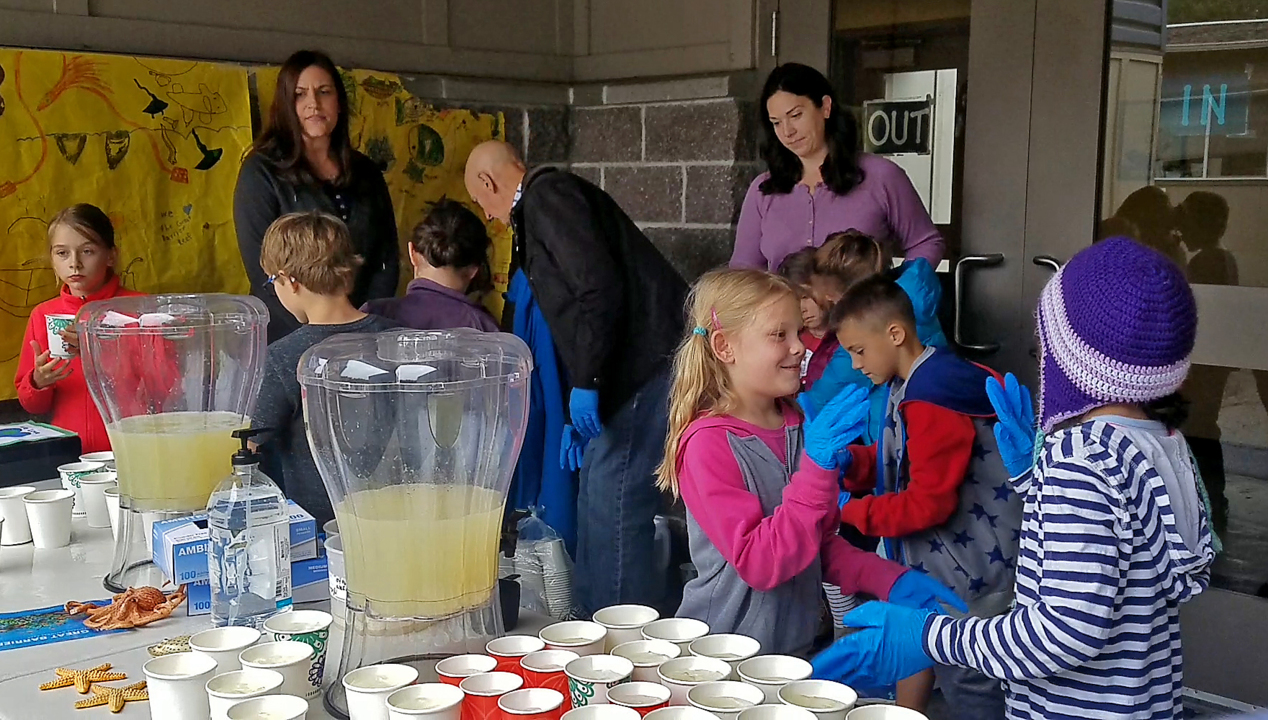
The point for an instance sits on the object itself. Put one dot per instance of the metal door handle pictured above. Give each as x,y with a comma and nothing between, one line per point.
1047,261
989,260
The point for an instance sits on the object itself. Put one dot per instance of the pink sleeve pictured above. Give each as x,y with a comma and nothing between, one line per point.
747,252
908,219
854,570
765,551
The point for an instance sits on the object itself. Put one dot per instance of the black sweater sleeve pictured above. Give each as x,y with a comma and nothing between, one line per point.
580,270
255,206
384,252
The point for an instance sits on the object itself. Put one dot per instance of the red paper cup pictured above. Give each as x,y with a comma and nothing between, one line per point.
508,651
545,669
532,704
453,670
641,696
483,692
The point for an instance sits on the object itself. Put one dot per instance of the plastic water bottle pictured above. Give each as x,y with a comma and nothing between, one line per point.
249,553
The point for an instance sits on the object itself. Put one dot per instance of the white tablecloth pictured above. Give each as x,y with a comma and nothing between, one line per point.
31,578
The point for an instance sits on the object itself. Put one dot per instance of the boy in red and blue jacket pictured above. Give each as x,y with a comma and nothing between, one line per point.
941,501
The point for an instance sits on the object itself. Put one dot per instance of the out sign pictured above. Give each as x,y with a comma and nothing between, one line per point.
895,127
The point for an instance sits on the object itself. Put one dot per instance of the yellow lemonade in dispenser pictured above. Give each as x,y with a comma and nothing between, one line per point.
423,551
172,461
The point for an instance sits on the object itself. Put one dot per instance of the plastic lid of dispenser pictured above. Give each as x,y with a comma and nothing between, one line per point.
415,361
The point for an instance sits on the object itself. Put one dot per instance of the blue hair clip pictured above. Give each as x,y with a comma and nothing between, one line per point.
701,332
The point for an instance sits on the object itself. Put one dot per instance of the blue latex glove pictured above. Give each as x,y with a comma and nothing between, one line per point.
583,408
807,406
842,499
572,449
840,423
890,647
914,589
1015,430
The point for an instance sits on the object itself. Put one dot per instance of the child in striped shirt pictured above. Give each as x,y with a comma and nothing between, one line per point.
1114,535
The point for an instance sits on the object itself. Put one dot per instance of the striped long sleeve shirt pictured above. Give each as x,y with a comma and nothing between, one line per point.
1101,572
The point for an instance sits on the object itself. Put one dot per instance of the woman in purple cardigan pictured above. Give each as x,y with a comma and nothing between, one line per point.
818,183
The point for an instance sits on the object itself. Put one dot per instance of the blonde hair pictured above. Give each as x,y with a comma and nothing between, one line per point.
314,250
850,257
720,301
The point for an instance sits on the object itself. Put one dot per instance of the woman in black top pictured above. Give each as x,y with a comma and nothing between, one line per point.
304,161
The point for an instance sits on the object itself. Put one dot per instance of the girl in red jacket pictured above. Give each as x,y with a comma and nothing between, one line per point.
81,244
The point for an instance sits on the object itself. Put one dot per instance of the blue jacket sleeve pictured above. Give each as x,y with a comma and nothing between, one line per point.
921,284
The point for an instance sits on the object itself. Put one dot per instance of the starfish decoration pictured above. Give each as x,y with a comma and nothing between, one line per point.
115,697
83,679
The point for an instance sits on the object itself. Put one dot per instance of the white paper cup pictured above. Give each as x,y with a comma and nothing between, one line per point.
647,655
92,488
459,667
311,627
773,672
273,707
48,512
624,623
776,712
827,700
682,674
16,529
71,473
54,324
178,686
224,645
530,701
734,649
580,636
330,528
105,457
367,689
291,658
680,713
228,689
608,712
726,699
641,696
589,678
884,712
434,701
680,631
112,507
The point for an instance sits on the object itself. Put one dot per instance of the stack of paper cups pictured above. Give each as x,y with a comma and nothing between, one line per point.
338,580
71,473
556,577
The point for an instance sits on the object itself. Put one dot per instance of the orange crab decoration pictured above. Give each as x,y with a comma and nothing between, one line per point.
133,608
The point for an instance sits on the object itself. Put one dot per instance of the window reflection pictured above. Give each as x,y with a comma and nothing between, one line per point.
1205,205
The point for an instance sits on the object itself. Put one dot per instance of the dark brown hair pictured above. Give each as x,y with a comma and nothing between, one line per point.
88,220
876,297
282,141
798,267
453,236
840,169
313,249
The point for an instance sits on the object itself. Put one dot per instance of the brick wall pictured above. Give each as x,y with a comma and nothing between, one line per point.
678,168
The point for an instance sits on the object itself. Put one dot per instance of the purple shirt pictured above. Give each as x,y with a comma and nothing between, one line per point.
885,206
427,305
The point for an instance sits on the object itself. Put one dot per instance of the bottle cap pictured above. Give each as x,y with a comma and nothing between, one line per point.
245,455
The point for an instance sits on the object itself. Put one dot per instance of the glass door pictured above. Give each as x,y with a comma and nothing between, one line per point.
1185,170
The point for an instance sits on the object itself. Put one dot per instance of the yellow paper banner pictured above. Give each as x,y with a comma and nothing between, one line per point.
155,143
424,151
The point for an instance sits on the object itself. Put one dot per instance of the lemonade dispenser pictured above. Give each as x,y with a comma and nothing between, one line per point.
416,434
173,377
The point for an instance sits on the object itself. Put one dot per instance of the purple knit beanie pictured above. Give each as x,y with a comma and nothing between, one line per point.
1116,325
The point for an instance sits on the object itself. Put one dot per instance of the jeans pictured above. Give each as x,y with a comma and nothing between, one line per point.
969,694
617,506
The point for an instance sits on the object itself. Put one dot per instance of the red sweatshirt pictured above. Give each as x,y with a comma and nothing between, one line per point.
939,448
769,551
69,400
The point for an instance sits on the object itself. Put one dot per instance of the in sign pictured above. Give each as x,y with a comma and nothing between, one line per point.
1218,105
893,127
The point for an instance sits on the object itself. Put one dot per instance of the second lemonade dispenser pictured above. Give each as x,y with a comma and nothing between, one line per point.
416,434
